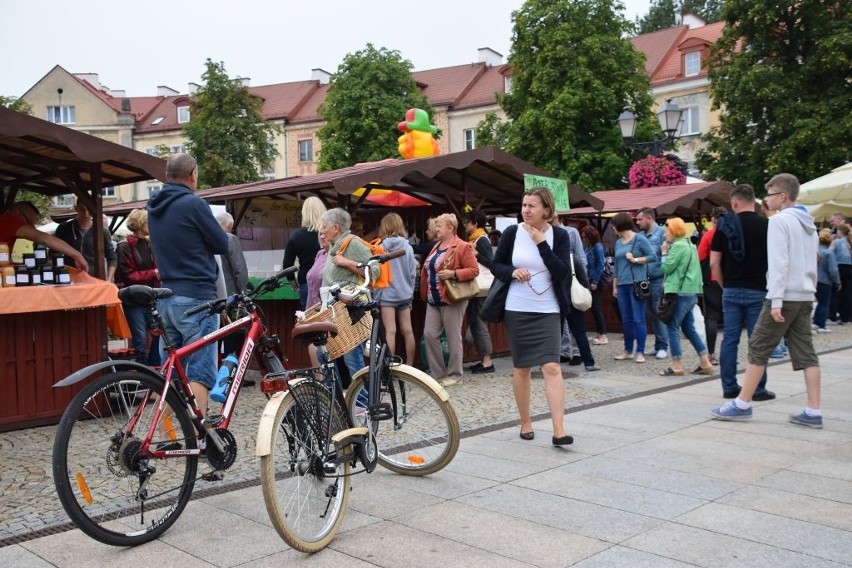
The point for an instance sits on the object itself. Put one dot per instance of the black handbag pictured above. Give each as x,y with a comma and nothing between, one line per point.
665,308
494,307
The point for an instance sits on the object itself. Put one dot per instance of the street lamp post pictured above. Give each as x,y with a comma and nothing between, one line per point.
669,118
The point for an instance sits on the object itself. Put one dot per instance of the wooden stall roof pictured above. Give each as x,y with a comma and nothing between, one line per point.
493,180
51,159
685,201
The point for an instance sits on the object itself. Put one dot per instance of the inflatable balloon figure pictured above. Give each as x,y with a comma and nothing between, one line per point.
417,140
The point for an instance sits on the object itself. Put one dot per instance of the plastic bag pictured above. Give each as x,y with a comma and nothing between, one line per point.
698,318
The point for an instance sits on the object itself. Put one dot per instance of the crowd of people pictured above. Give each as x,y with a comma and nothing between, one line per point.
753,273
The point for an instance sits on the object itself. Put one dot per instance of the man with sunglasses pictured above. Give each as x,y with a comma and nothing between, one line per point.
18,222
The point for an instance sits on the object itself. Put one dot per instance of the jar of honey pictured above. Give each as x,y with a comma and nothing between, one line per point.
5,255
8,273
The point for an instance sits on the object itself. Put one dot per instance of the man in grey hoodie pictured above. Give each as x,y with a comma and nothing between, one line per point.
792,244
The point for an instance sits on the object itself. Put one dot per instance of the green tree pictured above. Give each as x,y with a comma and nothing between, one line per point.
15,103
573,72
664,13
38,199
780,74
227,132
492,131
368,96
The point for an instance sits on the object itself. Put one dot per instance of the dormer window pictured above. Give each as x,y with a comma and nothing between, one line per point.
692,63
182,114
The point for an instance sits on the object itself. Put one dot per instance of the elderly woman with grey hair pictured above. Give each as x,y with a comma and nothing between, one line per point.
344,253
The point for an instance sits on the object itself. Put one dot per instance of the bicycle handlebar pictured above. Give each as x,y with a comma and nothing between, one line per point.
268,284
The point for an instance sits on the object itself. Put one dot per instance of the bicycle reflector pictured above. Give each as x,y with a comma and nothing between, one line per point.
272,385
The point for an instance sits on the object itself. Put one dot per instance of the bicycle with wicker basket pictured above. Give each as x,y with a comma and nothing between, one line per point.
312,437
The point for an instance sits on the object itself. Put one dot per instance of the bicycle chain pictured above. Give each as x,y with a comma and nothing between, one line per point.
218,460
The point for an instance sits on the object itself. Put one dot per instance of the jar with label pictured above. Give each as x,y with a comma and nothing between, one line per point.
8,273
47,274
29,260
35,276
22,276
5,255
40,254
61,277
58,259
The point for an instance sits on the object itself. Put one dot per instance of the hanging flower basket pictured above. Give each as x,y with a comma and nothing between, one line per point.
653,171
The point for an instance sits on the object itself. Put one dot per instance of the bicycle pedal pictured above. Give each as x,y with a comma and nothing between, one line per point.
212,420
214,475
381,411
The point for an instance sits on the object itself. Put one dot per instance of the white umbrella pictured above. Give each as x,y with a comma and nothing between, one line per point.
833,187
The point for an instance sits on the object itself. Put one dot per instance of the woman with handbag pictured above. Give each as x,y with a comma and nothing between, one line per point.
681,285
477,330
630,285
532,291
596,261
447,276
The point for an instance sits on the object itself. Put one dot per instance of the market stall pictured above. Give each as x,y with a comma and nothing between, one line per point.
48,332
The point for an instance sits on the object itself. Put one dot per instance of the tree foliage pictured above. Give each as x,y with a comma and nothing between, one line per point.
491,131
227,132
664,13
368,96
16,104
41,201
573,72
781,75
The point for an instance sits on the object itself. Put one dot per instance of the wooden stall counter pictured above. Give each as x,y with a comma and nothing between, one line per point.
47,333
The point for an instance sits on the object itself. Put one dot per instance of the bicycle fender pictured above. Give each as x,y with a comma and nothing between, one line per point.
416,374
118,365
266,426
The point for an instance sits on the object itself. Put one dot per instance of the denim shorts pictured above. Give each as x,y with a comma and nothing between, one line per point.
182,330
403,305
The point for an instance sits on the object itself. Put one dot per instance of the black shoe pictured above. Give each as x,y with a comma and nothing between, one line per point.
565,440
731,394
474,368
574,361
765,395
481,370
527,435
564,358
249,383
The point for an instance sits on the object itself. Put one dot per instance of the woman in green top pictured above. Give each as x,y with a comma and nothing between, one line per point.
682,273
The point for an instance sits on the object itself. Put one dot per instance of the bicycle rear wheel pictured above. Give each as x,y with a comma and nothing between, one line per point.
306,501
421,437
98,468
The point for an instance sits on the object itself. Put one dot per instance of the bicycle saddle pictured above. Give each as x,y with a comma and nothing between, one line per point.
314,333
139,295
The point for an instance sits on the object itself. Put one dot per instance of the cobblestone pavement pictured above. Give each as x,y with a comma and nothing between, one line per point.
28,500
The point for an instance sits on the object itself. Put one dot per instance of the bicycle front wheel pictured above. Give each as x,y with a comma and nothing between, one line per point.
112,491
421,436
306,495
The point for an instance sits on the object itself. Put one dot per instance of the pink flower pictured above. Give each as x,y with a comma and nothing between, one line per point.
653,171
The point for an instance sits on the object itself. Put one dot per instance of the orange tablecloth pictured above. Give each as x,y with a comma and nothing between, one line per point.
83,292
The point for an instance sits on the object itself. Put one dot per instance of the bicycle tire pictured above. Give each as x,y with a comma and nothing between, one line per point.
94,473
295,487
426,435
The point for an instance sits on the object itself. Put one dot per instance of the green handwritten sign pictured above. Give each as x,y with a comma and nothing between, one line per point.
558,187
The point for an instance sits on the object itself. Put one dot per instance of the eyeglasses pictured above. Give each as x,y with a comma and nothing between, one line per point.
530,284
773,194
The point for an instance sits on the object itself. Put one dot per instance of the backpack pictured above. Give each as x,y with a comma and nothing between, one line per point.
606,276
383,280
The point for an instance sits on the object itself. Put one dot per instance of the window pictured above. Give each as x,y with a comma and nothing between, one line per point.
183,114
152,152
268,172
64,200
306,150
152,188
507,84
158,120
689,124
108,192
177,149
62,114
692,63
469,139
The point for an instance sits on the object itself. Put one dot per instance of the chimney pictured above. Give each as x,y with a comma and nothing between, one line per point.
119,94
692,21
91,78
320,75
489,56
125,104
193,87
244,81
163,91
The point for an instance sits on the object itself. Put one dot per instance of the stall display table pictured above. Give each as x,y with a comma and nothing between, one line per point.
47,333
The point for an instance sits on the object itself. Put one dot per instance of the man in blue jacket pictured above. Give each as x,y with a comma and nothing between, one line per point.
186,237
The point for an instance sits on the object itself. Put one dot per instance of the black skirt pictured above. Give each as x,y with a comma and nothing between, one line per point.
534,338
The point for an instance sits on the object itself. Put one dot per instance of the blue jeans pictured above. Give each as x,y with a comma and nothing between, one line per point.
137,319
303,295
632,319
740,307
182,330
823,297
682,320
661,334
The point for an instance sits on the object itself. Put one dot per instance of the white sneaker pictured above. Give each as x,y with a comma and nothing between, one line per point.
661,354
823,330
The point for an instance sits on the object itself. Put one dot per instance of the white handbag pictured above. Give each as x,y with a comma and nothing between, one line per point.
581,297
484,280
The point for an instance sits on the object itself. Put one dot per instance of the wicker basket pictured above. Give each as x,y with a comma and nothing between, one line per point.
349,335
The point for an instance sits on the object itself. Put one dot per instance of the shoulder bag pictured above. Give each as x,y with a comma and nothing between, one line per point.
641,288
484,279
460,290
665,308
581,297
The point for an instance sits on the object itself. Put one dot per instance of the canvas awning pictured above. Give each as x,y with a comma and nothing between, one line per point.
687,201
